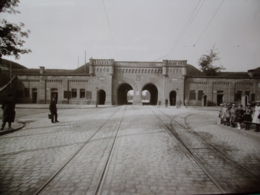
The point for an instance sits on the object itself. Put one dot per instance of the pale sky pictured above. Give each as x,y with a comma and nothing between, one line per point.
139,30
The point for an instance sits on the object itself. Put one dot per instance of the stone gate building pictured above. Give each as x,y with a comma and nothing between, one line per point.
105,81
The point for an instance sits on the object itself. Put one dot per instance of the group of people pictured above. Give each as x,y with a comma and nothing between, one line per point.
234,115
178,103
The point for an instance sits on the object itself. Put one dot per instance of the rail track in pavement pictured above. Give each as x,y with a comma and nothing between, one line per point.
101,172
227,174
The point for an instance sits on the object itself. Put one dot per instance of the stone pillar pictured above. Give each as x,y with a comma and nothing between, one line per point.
137,98
109,91
110,83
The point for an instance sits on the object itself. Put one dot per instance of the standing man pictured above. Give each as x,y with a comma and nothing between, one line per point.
8,111
256,118
53,110
186,103
166,102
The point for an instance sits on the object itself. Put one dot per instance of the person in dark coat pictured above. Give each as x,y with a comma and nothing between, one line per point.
53,110
8,111
233,115
239,116
248,116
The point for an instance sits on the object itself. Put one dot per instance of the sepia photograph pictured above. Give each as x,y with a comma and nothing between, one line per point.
129,97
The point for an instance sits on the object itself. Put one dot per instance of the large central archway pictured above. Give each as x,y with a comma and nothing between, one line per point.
122,94
153,93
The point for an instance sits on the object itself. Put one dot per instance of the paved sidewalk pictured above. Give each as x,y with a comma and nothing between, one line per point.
15,127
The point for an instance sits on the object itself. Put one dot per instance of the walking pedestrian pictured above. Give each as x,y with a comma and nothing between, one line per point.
166,102
8,107
180,102
233,115
248,116
239,116
53,110
256,118
186,103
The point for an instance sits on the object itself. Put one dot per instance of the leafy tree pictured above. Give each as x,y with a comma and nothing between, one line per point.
206,63
11,35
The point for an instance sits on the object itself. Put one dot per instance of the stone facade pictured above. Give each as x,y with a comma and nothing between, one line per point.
105,81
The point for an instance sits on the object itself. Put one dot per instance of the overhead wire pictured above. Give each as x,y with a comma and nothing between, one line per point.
170,53
209,23
188,22
130,13
110,27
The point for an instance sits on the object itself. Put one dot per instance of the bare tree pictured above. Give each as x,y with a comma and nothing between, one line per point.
206,62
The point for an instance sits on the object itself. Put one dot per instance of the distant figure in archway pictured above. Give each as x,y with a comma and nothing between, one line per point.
166,102
159,104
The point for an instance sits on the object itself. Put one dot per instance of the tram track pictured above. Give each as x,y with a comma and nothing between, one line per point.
224,179
110,149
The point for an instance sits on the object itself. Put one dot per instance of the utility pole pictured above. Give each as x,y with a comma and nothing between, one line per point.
10,76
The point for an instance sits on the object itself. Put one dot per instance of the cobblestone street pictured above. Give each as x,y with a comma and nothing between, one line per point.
128,150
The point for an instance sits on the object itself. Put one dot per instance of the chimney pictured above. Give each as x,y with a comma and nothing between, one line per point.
42,68
251,73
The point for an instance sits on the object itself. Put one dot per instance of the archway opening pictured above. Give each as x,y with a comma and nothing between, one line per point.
146,97
152,91
173,98
130,95
122,94
101,97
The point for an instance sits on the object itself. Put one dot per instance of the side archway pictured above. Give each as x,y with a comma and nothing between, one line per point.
153,93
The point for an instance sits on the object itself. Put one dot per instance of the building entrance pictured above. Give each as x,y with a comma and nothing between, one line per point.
101,97
173,98
34,95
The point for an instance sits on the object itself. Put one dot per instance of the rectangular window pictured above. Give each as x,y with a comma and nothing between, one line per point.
238,96
26,92
74,93
67,94
200,94
82,93
192,95
88,95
